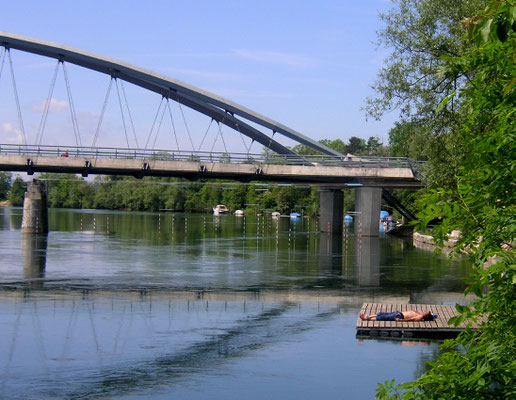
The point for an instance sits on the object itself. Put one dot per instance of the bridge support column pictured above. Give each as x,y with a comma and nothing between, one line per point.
331,206
35,208
368,201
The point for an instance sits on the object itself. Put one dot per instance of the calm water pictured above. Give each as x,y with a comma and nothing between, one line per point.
159,306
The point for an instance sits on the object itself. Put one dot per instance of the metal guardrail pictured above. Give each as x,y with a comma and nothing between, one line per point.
208,157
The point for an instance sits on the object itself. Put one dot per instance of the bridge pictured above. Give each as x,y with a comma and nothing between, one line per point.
331,170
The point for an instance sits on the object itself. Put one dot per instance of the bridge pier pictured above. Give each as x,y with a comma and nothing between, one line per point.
368,202
35,208
331,206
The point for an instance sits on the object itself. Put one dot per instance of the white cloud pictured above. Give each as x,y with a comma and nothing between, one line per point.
10,134
272,57
56,106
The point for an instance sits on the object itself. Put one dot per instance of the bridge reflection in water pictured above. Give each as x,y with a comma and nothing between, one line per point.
110,343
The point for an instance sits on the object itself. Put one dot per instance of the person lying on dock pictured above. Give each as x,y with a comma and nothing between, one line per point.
399,316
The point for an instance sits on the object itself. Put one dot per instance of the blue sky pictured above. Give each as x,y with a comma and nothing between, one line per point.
306,64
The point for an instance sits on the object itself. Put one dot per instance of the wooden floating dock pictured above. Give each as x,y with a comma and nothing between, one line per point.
428,329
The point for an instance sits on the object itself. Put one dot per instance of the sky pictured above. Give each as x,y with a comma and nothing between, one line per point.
306,64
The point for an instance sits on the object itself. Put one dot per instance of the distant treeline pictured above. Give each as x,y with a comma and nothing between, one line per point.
153,194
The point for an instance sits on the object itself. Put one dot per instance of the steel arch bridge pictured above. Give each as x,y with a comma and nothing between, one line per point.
217,108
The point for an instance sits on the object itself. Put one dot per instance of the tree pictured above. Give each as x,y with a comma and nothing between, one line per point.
336,144
17,193
420,33
414,79
5,184
357,146
480,365
408,139
65,190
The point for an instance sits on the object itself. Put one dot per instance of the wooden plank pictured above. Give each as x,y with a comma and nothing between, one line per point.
434,310
417,324
442,317
449,312
359,321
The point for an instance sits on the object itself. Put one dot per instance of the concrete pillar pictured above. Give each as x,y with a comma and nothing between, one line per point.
368,201
331,206
35,208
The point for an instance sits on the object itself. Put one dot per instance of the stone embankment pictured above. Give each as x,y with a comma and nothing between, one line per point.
426,242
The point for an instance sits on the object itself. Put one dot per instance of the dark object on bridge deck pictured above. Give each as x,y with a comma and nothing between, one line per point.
422,329
29,163
86,170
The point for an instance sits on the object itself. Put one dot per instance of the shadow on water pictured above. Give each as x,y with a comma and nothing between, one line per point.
34,255
249,335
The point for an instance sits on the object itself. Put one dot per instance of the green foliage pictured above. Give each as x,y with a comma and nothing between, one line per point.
5,184
67,191
356,146
419,33
480,365
416,79
409,139
336,144
17,193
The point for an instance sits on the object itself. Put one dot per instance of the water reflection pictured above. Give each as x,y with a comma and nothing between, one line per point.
34,256
367,258
108,344
117,249
155,305
330,254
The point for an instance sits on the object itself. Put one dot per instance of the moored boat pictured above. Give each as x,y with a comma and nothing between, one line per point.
220,209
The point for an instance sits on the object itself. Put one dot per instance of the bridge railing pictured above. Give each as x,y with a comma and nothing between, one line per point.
208,157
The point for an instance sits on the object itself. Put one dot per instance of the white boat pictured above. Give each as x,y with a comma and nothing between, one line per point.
275,214
220,209
239,213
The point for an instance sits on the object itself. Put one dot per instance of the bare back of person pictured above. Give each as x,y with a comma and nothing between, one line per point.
410,314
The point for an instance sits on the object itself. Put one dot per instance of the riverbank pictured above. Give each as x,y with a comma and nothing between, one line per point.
422,241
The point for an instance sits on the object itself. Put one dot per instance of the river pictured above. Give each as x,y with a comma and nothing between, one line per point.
193,306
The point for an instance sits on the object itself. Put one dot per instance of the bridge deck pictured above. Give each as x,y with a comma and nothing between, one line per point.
437,328
371,172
